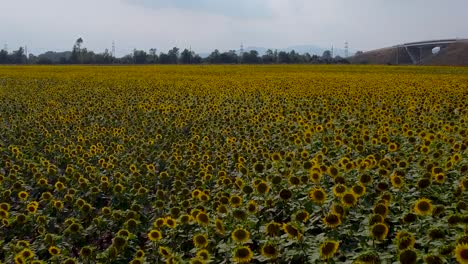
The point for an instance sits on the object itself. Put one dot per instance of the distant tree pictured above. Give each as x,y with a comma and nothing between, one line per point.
283,57
269,57
251,57
214,57
152,56
229,57
18,56
139,56
186,57
173,55
4,59
326,56
76,56
359,52
164,58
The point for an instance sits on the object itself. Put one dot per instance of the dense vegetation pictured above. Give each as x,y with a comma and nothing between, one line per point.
233,164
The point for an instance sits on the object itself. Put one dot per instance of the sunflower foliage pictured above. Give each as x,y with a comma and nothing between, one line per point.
233,164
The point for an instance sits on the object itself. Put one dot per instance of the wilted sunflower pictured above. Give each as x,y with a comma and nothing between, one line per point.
240,235
200,240
292,230
423,206
433,259
408,256
328,249
317,195
165,251
379,231
242,255
461,253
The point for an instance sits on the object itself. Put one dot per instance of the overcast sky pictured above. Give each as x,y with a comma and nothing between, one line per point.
208,24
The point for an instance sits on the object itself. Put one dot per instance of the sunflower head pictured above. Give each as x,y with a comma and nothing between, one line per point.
242,254
423,206
240,235
200,240
328,249
408,256
349,199
269,251
332,220
379,231
461,253
318,195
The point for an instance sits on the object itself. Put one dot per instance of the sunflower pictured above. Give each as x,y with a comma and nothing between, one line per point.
252,207
379,231
315,176
302,216
242,255
203,254
338,209
23,195
26,253
85,252
197,261
461,253
440,178
292,230
235,201
219,225
203,219
359,190
397,181
54,250
332,220
408,256
200,240
317,195
423,206
19,260
285,194
349,199
339,189
272,228
328,249
240,235
381,209
433,259
263,188
155,235
269,251
165,251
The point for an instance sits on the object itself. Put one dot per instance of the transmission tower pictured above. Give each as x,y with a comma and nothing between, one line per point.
5,47
332,51
113,49
346,49
241,52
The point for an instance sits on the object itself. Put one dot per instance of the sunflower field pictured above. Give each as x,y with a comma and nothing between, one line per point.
233,164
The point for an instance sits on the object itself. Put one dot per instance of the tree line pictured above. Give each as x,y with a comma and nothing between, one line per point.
81,55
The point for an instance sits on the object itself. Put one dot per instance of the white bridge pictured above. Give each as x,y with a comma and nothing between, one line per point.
421,50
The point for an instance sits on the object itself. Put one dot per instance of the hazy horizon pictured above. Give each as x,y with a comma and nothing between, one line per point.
206,25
